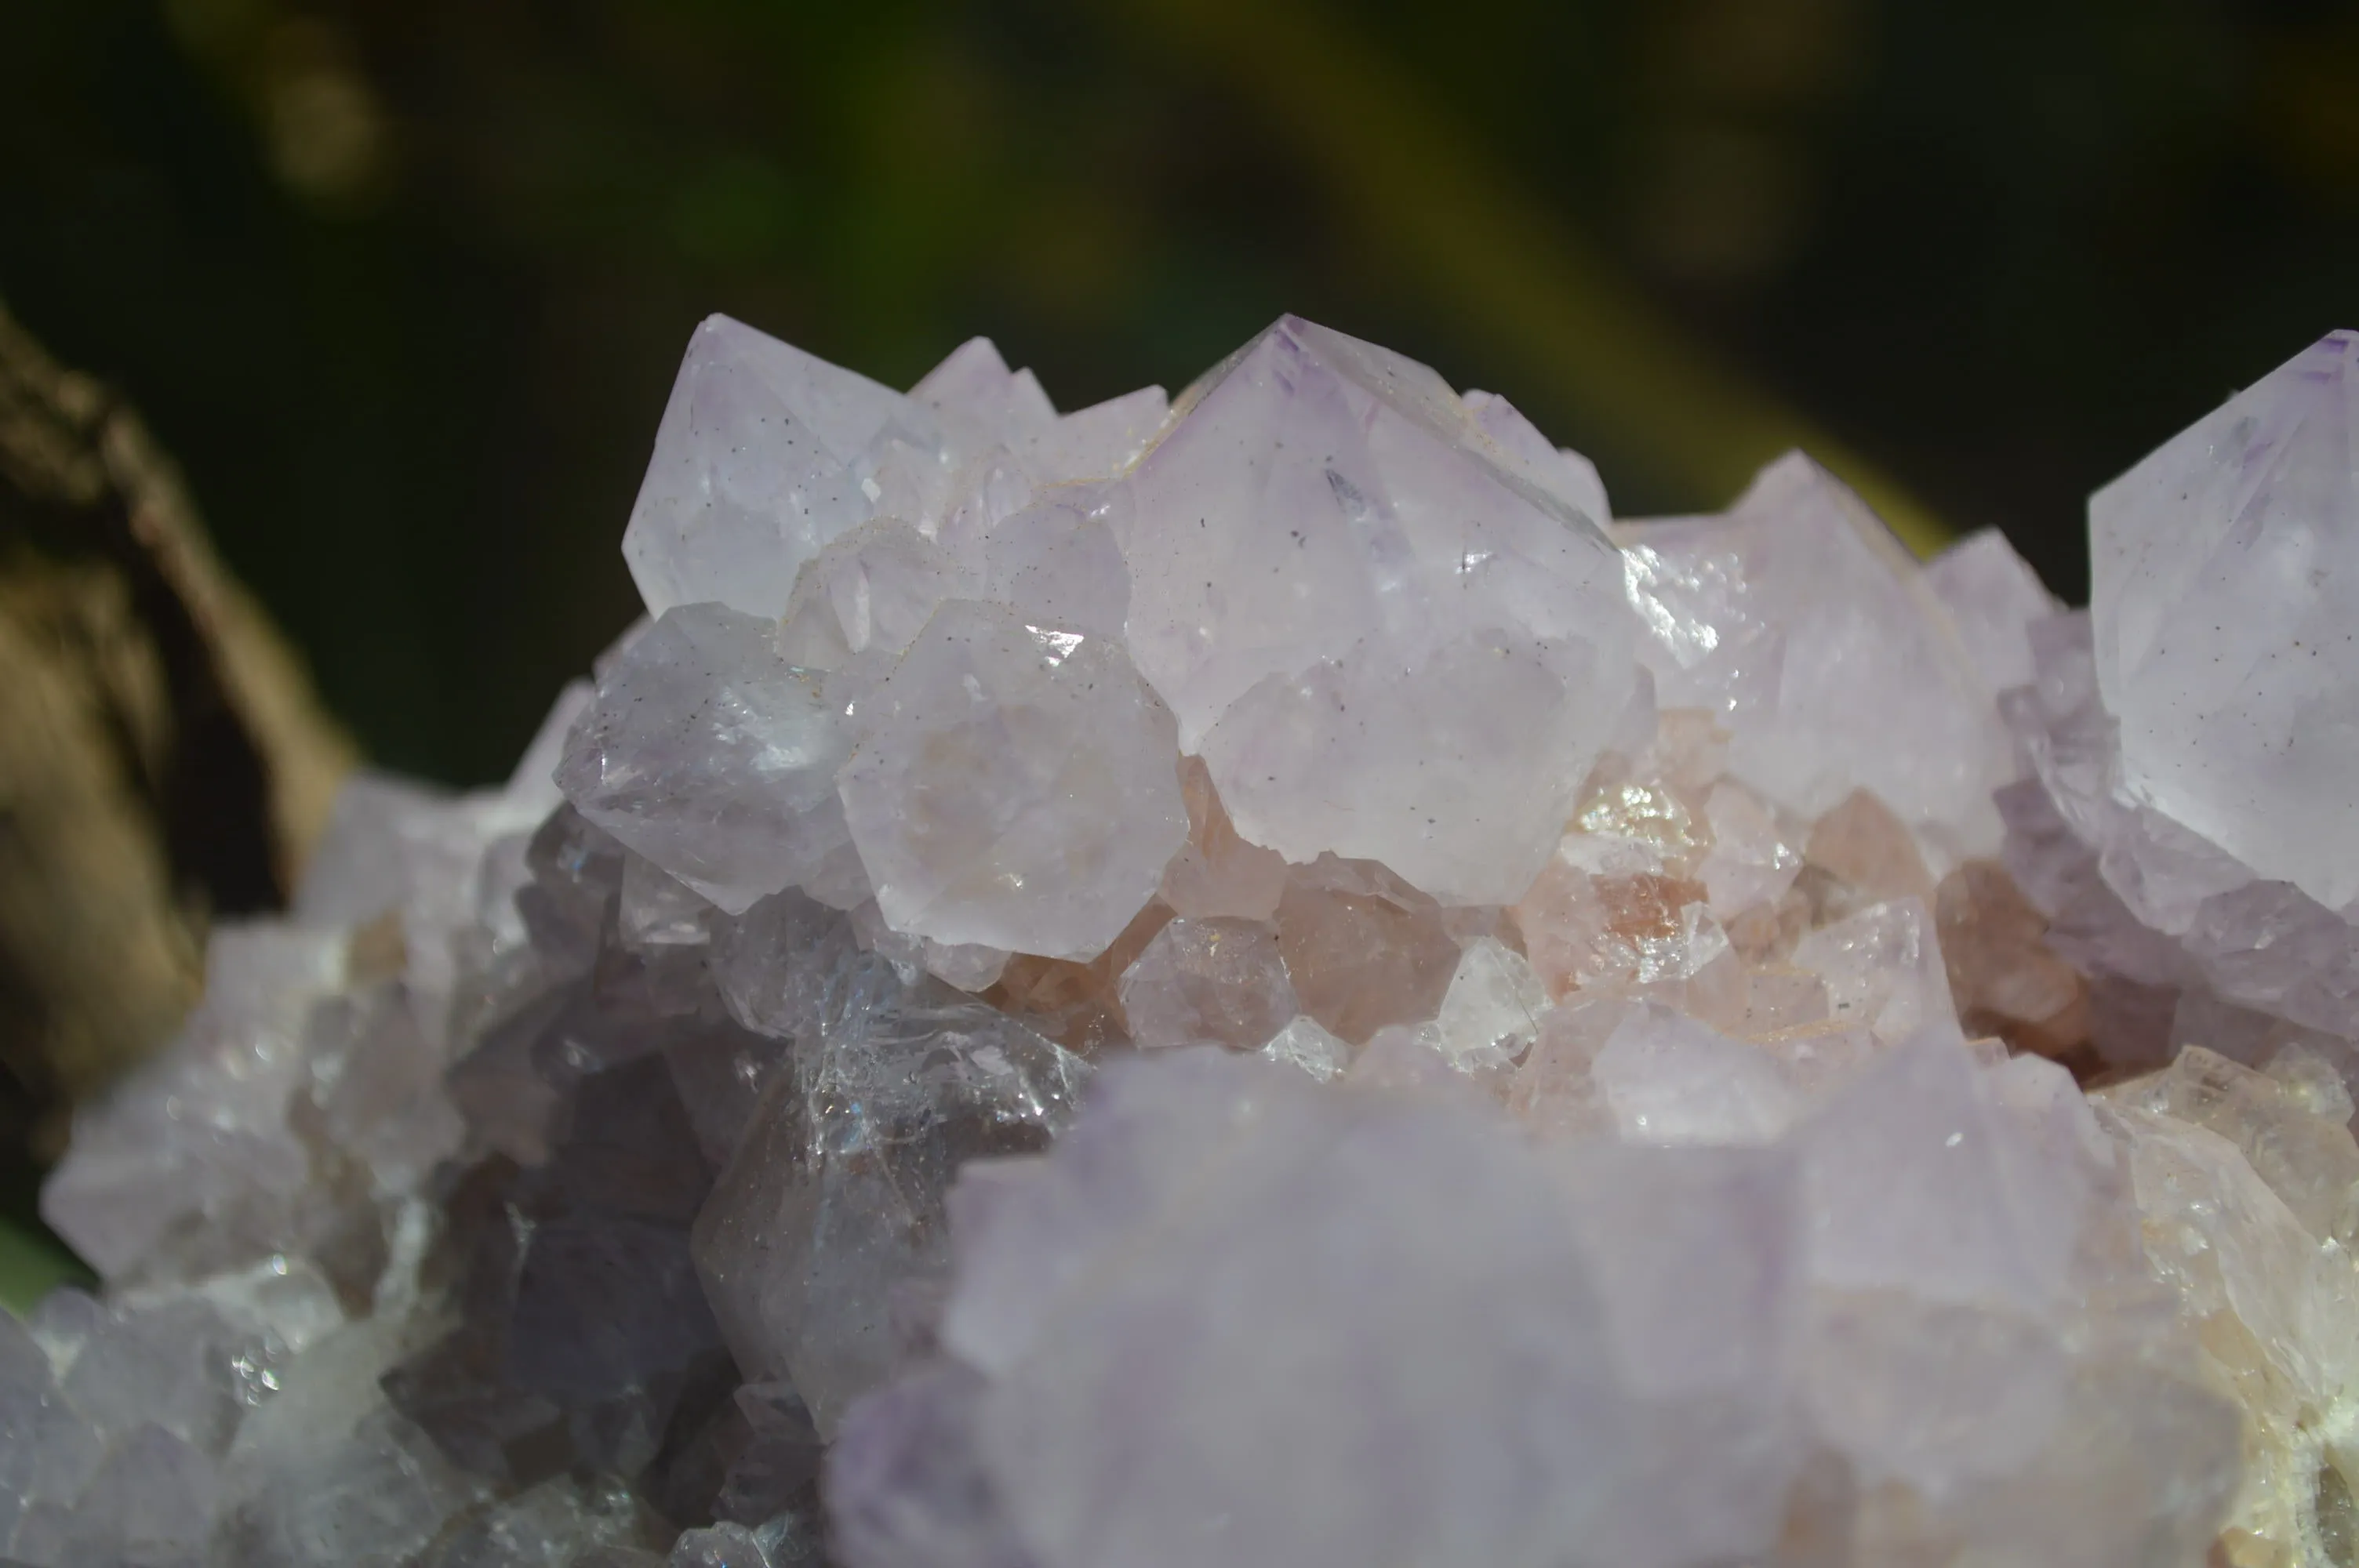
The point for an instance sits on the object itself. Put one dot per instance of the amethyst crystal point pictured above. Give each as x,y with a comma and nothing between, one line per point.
2222,565
2159,902
1800,620
1336,574
1260,982
759,463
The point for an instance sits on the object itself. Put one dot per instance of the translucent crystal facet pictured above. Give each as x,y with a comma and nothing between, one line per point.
759,462
1017,786
1217,982
2219,567
713,756
1798,616
1334,571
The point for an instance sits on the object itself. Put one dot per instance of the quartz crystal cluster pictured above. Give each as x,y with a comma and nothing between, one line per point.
1256,980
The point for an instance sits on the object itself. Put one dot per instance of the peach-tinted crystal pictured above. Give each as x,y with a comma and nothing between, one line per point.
1363,947
1870,851
1583,930
1078,1005
1216,873
2003,978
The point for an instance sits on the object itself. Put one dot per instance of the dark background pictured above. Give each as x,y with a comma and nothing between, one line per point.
403,282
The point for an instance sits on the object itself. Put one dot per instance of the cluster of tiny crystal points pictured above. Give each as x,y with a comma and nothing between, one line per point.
1259,982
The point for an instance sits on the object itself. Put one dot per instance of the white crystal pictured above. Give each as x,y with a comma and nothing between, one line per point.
1986,1389
1302,1044
1696,1253
151,1502
1017,787
1992,597
1800,620
1883,971
50,1451
1336,574
967,965
1058,563
360,868
328,1473
1492,1012
1670,1080
709,754
871,588
198,1142
2221,568
757,464
1290,1480
1916,1180
2278,1313
1695,1258
1560,470
1450,769
1102,439
981,403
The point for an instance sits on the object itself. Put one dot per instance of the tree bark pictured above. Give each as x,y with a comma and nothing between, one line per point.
164,762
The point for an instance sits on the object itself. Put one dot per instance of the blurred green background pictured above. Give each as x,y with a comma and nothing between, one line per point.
402,283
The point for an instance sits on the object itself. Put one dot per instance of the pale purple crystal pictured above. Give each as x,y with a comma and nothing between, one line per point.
2220,566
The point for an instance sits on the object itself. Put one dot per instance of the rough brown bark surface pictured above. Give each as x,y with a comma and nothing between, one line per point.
164,762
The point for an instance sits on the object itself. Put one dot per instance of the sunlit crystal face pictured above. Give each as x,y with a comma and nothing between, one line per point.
1661,590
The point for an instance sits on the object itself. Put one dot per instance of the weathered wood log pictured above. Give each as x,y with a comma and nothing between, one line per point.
164,761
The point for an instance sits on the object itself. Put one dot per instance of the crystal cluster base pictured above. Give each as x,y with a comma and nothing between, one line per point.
1255,979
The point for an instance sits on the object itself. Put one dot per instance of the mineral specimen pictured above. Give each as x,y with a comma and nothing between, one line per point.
1259,981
